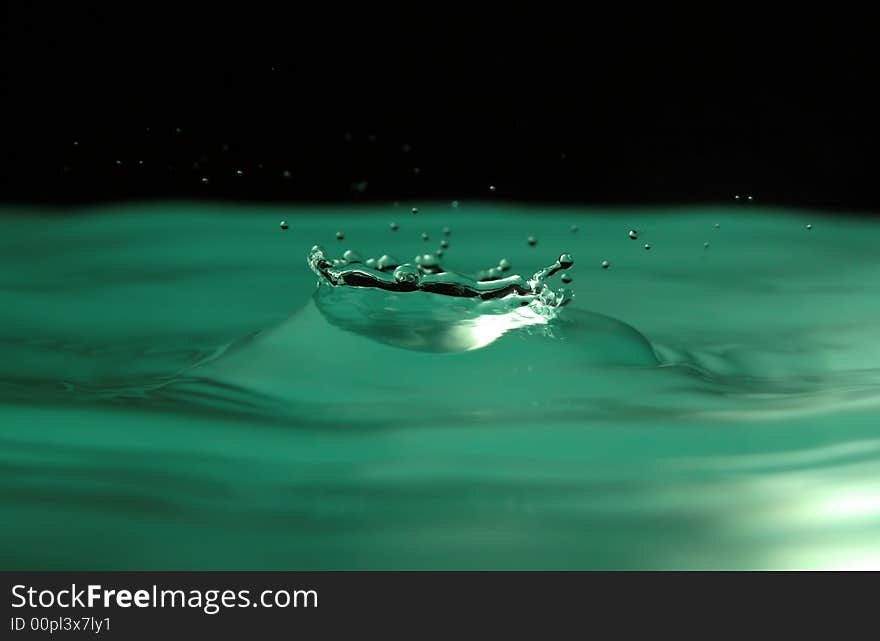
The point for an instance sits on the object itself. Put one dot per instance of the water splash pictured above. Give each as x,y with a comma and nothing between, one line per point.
421,306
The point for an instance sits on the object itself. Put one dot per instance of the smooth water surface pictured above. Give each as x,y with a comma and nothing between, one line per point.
176,391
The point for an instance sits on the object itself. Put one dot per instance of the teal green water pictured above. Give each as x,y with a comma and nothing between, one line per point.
175,395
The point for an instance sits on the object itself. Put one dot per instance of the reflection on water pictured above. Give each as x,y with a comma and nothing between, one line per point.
177,392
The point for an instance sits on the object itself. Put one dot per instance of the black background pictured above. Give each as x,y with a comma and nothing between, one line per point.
546,104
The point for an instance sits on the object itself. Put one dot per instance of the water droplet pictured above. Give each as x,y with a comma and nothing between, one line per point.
647,247
426,260
532,241
416,171
283,224
566,277
239,172
387,262
178,131
405,148
444,243
751,198
439,253
809,226
504,264
447,231
565,261
455,204
425,235
371,138
394,226
574,229
706,245
605,264
633,234
340,235
76,143
286,174
371,263
140,163
717,225
119,163
351,256
736,197
415,210
491,187
205,180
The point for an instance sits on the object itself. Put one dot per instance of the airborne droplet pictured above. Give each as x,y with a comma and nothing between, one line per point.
532,241
566,277
444,243
351,256
393,226
605,264
633,234
340,235
283,224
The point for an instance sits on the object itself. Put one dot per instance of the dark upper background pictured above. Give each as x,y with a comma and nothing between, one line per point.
354,106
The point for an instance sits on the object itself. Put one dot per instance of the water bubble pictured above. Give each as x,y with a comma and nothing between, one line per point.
574,229
504,264
340,235
425,235
447,231
532,241
809,226
633,234
286,174
605,264
394,226
351,256
566,277
283,224
415,210
647,247
407,274
444,243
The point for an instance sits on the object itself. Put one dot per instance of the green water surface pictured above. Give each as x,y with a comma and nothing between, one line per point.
173,397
